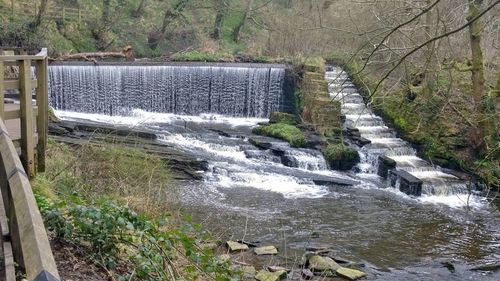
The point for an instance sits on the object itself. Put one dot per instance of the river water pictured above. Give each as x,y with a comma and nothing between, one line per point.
249,193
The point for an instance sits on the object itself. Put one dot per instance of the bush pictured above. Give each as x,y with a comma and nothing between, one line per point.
286,132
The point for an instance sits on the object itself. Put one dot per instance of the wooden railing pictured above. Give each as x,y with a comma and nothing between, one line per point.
53,11
24,240
26,112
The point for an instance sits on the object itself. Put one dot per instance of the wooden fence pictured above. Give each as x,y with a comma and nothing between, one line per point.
24,240
53,11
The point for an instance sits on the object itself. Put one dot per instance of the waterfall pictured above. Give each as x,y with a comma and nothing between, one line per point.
384,142
187,90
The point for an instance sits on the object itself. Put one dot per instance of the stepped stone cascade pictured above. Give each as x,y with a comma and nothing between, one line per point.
382,152
188,90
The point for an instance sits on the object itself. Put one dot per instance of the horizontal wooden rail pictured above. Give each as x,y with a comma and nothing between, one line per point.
25,229
21,58
14,84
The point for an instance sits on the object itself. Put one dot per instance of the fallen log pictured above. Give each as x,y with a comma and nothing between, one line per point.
126,52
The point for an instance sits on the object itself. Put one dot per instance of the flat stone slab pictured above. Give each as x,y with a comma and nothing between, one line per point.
351,274
266,250
264,275
318,263
235,246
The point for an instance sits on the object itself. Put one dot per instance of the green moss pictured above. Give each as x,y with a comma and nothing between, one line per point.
282,117
340,152
286,132
203,56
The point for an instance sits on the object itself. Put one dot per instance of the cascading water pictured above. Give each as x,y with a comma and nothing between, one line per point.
187,90
383,140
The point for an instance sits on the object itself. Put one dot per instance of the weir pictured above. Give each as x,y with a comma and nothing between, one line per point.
237,91
384,153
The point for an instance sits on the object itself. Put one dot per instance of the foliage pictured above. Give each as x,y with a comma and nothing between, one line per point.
112,201
203,56
282,117
287,132
340,152
116,236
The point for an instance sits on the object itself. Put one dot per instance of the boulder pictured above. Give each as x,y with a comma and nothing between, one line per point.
385,164
351,274
320,264
408,183
259,143
264,275
235,246
266,250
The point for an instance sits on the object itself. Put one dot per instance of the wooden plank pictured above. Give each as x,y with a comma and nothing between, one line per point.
8,259
27,153
21,58
42,102
2,91
15,84
16,113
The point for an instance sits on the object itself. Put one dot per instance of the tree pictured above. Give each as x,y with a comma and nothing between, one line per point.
171,14
41,12
237,29
220,9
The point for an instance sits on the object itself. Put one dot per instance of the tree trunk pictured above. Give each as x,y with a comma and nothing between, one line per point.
430,64
41,12
140,10
237,29
171,14
477,76
219,19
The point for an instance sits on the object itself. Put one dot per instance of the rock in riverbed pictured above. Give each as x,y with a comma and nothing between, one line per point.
266,250
320,264
270,276
351,274
235,246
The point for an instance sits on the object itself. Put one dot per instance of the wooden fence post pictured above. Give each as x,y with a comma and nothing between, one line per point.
42,101
27,141
2,93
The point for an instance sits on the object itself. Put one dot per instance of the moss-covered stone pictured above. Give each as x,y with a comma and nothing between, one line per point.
282,117
286,132
341,157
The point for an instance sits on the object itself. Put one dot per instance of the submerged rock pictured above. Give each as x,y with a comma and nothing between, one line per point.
351,274
321,264
306,274
235,246
266,250
264,275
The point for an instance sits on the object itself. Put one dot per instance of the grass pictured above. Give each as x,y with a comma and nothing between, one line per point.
340,152
286,132
112,203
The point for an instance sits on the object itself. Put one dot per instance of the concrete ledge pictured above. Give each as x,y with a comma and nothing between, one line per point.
384,165
406,182
30,243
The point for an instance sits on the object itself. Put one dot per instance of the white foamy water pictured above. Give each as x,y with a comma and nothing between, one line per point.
137,117
289,187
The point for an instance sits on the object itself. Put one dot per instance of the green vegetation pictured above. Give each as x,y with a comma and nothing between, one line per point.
113,202
340,156
282,117
286,132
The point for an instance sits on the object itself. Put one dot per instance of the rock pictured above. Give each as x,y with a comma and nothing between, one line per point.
247,270
252,244
275,268
235,246
306,274
408,183
259,143
270,276
305,258
385,164
363,141
318,263
266,250
341,157
338,259
487,267
351,274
